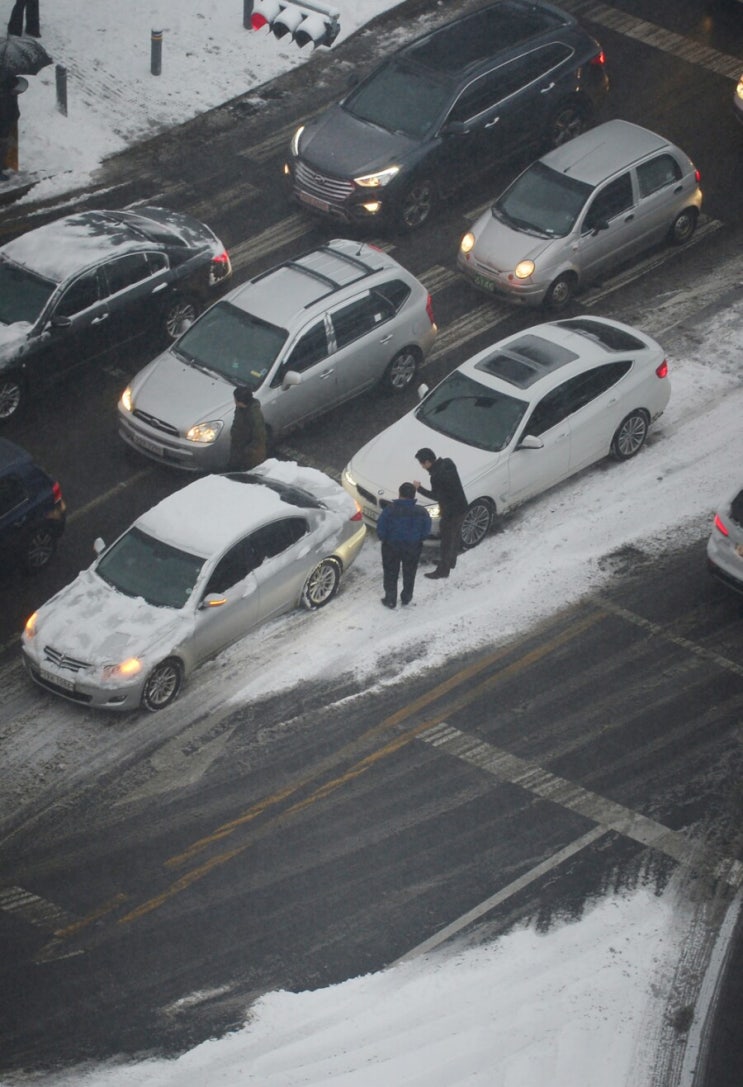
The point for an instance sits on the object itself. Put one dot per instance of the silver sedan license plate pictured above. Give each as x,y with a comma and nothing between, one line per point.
59,681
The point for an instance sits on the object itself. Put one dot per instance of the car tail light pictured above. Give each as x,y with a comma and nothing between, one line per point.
429,310
358,516
56,493
720,525
697,175
662,370
599,60
220,267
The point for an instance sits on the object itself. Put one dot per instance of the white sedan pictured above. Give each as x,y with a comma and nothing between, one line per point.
192,575
521,416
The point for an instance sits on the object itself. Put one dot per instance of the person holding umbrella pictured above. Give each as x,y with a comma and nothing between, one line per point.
31,9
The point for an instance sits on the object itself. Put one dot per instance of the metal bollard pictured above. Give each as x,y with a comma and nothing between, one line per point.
156,52
60,73
247,13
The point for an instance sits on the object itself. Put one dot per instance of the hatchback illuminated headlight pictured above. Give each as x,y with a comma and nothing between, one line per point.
739,89
205,433
467,243
379,179
123,670
294,145
524,269
127,401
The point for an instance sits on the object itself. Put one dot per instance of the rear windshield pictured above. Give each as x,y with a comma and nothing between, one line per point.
613,339
228,341
23,294
472,413
542,201
287,492
400,99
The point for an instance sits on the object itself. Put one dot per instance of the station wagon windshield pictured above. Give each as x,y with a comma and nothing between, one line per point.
23,294
472,413
139,565
400,99
543,202
228,341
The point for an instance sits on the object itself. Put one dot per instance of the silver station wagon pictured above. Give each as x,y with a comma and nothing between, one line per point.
305,336
580,211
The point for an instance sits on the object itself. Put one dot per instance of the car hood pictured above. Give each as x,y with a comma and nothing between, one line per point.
503,247
341,144
91,621
384,462
181,395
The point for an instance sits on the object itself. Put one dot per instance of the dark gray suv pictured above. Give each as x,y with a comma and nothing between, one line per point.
445,107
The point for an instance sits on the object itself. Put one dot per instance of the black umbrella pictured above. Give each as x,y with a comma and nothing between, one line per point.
21,55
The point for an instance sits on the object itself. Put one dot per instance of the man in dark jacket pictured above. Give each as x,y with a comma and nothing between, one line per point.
248,433
9,114
402,527
446,489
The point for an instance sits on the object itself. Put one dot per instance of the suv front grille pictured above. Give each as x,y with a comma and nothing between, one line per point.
155,423
335,190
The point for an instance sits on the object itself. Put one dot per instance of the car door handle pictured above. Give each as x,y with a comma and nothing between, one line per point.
327,373
547,89
99,320
159,287
630,217
493,122
386,339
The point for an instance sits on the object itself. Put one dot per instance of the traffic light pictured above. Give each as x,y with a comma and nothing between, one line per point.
301,21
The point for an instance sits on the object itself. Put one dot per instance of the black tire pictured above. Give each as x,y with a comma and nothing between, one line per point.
163,685
478,521
41,544
322,584
568,122
180,312
401,372
12,396
683,226
416,205
561,292
630,436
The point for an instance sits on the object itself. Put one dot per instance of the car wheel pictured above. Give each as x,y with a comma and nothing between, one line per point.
11,396
179,314
630,436
561,292
569,121
683,226
40,547
163,684
401,371
416,205
322,584
477,522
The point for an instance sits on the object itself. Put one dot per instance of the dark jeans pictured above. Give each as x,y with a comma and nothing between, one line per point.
450,532
395,556
31,7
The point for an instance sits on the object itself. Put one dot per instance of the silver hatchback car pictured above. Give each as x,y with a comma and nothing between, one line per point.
305,336
584,208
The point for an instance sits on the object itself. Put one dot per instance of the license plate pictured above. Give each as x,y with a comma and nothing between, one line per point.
57,680
371,514
486,284
145,443
314,201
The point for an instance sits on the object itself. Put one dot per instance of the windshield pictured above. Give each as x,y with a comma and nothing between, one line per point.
542,201
228,341
472,413
23,294
140,565
400,99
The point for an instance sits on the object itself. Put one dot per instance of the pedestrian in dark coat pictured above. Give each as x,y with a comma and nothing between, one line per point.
9,114
446,489
31,9
402,527
248,432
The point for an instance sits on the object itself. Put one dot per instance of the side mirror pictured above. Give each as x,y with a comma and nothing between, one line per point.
422,390
597,227
530,441
98,545
61,322
291,377
212,600
455,128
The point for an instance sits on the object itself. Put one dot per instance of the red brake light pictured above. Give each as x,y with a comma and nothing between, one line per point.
662,370
697,175
599,60
221,258
56,493
720,525
429,310
358,516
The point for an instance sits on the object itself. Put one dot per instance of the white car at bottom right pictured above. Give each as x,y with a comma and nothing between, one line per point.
725,544
522,416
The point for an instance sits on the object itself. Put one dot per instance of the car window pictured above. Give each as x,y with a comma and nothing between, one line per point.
584,388
141,565
543,200
311,347
395,292
233,567
613,199
125,271
471,413
400,99
657,173
359,317
551,410
228,341
270,540
12,494
23,294
157,262
80,295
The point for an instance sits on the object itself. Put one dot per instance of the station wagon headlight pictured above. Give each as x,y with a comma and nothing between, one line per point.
294,146
467,243
379,179
124,670
524,269
126,399
205,433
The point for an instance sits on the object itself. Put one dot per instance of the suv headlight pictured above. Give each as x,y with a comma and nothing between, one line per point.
294,145
205,433
377,180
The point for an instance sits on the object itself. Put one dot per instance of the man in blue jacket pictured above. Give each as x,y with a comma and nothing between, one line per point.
402,528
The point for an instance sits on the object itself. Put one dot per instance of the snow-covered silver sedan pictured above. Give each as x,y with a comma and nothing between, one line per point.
192,575
521,416
725,544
